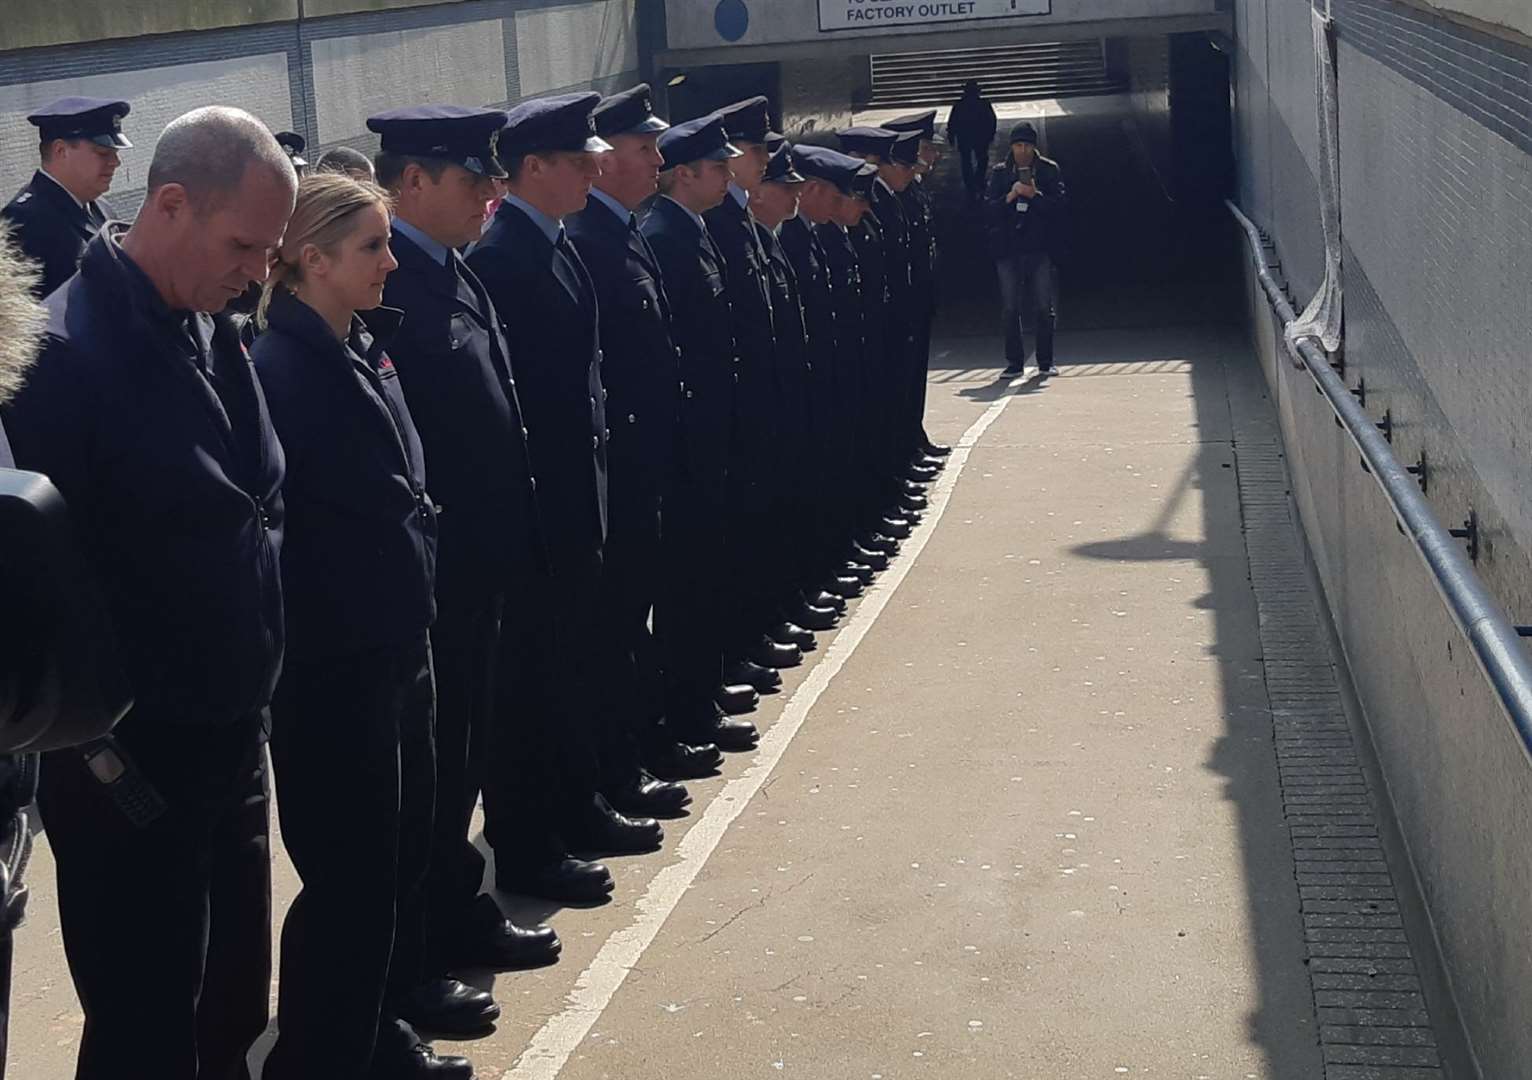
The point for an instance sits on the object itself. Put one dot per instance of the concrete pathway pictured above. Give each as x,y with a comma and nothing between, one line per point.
1019,817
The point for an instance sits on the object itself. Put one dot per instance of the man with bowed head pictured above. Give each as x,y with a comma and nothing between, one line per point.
146,413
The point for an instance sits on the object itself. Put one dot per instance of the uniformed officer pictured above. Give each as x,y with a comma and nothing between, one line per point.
833,348
437,161
849,285
356,692
920,212
773,203
146,414
690,612
758,641
547,302
294,144
61,208
640,371
895,156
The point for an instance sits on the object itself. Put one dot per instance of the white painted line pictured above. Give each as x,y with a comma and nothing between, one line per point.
562,1034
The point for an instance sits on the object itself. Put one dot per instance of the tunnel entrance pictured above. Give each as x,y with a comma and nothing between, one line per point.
1018,72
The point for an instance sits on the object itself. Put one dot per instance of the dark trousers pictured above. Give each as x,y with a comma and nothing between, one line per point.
1027,297
915,431
353,746
542,766
168,927
465,644
689,611
629,706
975,161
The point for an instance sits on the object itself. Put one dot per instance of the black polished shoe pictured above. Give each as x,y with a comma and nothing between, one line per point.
648,796
603,829
912,504
898,528
770,654
448,1007
684,761
911,488
861,571
887,545
814,618
867,557
920,474
420,1062
764,679
936,450
820,599
733,733
489,940
847,588
567,880
790,633
737,698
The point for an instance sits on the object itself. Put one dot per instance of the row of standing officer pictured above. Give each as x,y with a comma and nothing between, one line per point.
508,682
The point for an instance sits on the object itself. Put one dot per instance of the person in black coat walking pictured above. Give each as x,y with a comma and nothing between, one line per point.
146,414
356,692
1025,204
438,163
61,209
640,370
971,124
547,301
689,614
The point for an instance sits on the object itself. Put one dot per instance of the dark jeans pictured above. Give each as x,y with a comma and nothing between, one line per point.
465,644
167,927
975,161
353,746
1027,299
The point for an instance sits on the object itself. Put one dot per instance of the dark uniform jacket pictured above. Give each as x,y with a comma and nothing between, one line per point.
547,303
640,368
919,217
696,285
454,365
844,271
162,445
756,403
52,229
812,274
1012,231
359,554
791,360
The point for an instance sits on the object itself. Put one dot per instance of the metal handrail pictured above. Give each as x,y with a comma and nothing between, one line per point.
1494,641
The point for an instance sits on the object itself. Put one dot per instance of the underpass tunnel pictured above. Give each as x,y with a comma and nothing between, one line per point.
1139,126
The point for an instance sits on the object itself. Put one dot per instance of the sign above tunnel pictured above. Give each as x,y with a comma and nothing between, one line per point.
871,14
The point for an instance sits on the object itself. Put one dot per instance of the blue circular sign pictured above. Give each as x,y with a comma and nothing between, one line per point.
731,18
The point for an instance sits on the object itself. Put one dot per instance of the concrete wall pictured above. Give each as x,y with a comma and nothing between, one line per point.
321,76
1436,184
697,24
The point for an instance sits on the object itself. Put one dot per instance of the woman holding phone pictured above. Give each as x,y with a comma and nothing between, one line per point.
1024,199
353,715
